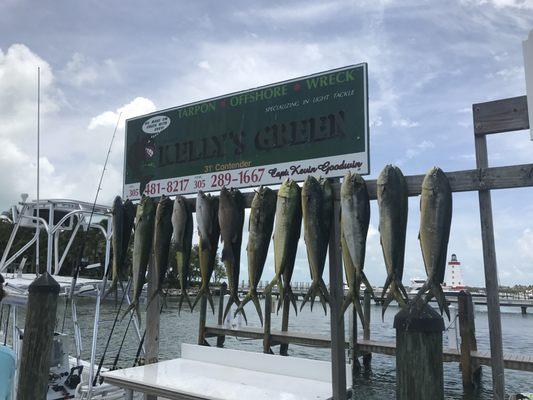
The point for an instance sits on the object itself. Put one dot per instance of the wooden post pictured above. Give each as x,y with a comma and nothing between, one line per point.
338,356
284,347
367,358
38,338
153,313
470,370
266,327
354,347
419,361
491,276
221,339
201,325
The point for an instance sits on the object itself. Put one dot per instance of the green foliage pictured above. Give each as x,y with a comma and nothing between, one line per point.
219,272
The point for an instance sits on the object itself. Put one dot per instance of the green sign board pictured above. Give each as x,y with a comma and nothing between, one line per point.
313,125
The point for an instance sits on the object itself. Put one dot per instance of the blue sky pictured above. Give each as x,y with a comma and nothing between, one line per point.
428,63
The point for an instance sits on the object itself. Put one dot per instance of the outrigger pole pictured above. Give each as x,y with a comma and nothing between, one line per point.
37,269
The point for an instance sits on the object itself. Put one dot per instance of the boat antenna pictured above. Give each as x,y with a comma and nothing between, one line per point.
84,240
37,269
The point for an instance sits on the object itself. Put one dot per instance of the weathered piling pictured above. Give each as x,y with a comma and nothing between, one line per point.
284,347
354,346
222,292
266,327
367,357
338,356
38,338
201,325
152,317
419,360
470,369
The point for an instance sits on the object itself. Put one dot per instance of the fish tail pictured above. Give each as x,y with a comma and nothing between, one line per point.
310,295
289,295
133,306
270,286
204,291
368,285
397,294
292,298
402,289
231,300
210,299
385,287
347,301
184,296
436,290
257,305
386,303
112,288
244,301
421,292
324,289
323,301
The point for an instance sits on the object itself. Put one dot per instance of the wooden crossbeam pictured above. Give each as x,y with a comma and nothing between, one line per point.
515,176
511,361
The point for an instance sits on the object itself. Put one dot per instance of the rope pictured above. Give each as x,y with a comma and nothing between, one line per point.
111,332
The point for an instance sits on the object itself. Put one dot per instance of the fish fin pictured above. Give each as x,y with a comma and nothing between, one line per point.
386,286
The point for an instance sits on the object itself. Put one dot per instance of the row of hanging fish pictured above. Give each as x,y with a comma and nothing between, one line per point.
169,225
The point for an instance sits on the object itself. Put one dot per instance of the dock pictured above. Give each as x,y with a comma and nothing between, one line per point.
511,361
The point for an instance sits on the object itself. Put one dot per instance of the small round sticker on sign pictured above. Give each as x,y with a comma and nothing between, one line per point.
156,125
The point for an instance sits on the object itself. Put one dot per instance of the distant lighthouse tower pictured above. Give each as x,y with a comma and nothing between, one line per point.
454,274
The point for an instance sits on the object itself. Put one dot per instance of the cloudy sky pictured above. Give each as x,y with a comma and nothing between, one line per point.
428,63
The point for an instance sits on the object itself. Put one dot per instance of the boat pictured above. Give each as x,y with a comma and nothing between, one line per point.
70,377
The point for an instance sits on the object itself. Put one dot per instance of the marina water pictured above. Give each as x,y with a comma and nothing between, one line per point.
378,383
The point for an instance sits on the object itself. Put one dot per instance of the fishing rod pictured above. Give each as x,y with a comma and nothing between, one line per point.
144,334
124,292
84,240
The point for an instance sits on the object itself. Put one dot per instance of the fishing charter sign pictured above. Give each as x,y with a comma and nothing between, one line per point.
313,125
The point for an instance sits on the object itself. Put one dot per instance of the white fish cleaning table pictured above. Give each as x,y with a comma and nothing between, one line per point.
222,374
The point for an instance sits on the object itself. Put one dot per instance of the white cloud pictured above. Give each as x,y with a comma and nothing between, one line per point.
81,71
405,123
138,106
519,4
